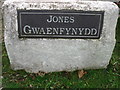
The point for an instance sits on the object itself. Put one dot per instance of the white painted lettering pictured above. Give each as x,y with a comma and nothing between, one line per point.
61,30
74,31
42,31
50,19
27,29
55,19
81,30
87,31
66,20
72,20
68,30
35,30
55,30
93,31
49,30
60,19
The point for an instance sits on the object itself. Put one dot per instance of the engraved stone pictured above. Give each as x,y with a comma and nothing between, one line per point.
56,54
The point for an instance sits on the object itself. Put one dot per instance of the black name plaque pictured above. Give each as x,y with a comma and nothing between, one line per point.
60,24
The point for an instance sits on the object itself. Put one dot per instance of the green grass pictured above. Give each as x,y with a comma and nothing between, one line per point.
101,78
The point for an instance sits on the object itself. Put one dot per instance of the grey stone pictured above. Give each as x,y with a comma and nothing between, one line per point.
1,2
59,0
51,55
0,30
102,0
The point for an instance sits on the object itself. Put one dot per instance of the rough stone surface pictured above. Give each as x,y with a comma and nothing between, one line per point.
51,55
59,0
1,2
102,0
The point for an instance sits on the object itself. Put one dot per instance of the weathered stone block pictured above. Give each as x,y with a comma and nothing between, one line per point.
51,55
102,0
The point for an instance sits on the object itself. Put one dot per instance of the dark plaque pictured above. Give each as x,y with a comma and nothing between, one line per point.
60,24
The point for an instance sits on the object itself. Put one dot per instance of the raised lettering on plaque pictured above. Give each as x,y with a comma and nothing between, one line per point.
60,24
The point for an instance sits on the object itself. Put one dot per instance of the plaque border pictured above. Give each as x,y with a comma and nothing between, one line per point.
45,12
